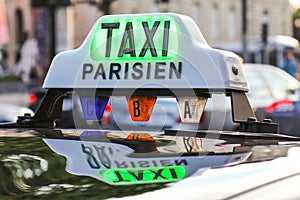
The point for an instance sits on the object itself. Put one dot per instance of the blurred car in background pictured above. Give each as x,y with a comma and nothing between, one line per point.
267,84
10,112
287,113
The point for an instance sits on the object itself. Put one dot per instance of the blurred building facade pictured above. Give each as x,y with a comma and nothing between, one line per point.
220,21
63,24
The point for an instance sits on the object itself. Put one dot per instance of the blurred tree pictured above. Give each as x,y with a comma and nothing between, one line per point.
296,23
104,6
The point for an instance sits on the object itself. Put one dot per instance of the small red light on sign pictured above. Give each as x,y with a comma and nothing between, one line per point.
32,98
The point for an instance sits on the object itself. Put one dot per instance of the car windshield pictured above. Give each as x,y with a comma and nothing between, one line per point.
280,85
258,86
269,81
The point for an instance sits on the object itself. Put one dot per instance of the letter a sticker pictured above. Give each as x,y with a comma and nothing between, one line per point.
191,108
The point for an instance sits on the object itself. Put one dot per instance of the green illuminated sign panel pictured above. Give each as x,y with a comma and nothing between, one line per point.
135,39
144,175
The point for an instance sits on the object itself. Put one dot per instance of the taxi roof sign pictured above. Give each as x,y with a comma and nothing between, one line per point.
146,55
156,51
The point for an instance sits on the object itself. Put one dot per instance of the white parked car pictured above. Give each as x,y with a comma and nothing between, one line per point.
10,112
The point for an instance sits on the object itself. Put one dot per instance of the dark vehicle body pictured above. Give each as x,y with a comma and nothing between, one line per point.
287,114
64,164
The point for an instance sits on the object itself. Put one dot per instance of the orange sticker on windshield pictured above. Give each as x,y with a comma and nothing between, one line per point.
140,108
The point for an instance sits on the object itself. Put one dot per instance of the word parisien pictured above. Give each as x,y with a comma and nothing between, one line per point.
136,71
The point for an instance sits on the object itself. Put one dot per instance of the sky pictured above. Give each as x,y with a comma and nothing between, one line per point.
295,2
